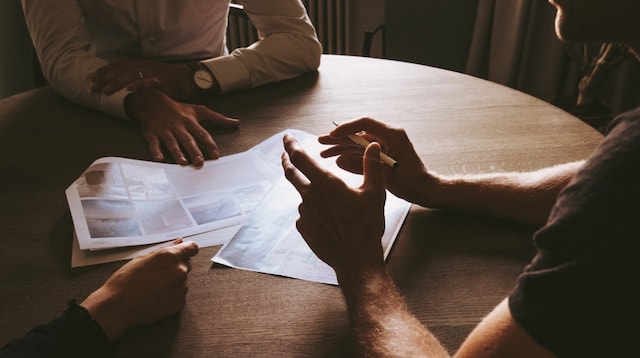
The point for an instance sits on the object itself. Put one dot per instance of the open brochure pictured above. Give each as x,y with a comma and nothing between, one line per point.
123,202
122,208
117,204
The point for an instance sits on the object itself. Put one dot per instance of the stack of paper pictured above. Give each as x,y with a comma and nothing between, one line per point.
122,208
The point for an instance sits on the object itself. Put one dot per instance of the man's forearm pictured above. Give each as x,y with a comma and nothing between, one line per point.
525,198
382,324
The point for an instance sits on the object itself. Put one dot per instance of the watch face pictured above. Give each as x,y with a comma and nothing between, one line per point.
203,79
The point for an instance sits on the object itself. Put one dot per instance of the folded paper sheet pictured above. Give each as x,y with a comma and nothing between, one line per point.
269,242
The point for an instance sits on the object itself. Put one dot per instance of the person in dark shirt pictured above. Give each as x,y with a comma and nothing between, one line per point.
579,295
123,302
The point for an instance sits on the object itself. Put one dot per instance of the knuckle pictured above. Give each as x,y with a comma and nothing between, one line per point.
296,154
289,170
203,134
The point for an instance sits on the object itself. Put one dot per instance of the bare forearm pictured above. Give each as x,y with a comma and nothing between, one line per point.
382,323
525,198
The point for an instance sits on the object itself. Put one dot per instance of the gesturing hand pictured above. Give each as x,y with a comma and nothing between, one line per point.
407,181
144,290
176,126
342,225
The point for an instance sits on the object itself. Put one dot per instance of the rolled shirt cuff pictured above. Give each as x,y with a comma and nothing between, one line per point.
114,104
230,72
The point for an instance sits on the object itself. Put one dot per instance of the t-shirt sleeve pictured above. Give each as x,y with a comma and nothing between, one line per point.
579,296
74,334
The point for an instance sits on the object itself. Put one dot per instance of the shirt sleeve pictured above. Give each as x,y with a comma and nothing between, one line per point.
63,45
287,47
74,334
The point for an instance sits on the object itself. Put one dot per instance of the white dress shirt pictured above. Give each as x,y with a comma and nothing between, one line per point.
73,38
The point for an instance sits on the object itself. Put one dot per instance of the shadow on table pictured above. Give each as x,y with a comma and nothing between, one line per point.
459,271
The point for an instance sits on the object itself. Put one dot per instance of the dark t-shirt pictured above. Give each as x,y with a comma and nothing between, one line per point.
73,334
579,296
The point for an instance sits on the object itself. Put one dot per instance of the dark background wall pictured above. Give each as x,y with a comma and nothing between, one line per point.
435,32
15,50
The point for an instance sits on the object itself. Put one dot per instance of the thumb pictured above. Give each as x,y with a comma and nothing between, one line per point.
186,249
372,168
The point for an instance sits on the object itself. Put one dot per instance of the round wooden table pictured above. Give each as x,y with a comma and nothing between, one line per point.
452,268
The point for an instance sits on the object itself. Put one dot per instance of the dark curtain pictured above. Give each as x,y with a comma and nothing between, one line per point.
514,43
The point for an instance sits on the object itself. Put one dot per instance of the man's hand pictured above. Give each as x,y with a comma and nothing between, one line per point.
342,225
522,197
144,290
407,181
176,126
174,80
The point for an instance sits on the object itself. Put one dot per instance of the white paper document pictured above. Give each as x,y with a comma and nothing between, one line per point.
269,242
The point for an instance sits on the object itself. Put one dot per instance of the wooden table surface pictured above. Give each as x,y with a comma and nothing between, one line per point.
452,268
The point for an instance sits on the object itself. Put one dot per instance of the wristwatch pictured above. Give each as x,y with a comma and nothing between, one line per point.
202,77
